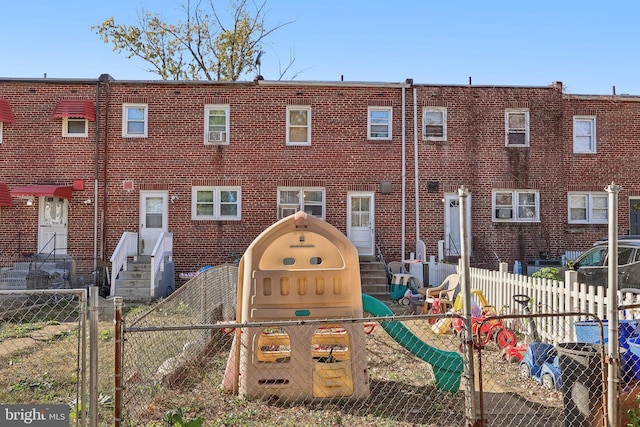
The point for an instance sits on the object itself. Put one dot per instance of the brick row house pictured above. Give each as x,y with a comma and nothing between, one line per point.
215,163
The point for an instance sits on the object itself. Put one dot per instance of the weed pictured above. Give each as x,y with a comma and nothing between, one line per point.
174,418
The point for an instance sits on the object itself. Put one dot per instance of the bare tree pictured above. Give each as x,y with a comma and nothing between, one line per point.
206,46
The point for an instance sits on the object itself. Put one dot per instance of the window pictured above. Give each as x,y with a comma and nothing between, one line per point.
517,128
434,124
215,203
379,123
216,124
74,127
298,125
584,134
292,200
134,120
516,206
588,208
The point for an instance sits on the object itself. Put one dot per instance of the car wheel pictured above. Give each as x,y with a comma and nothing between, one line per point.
525,371
547,381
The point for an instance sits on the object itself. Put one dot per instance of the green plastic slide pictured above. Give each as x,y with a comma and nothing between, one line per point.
447,365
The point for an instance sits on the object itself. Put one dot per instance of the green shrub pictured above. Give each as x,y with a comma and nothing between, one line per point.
547,273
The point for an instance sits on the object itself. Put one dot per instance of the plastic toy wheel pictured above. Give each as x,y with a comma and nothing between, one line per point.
404,301
547,381
505,337
525,371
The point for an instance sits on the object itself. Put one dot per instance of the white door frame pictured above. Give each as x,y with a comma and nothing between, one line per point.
362,234
448,223
149,235
50,224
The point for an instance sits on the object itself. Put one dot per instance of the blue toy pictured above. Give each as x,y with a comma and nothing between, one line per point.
541,363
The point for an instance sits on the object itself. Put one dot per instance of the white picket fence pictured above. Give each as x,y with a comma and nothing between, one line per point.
548,296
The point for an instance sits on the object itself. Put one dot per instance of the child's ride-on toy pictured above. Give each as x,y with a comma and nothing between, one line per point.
484,328
541,363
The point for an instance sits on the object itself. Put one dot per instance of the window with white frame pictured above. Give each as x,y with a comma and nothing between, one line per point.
215,203
434,124
588,208
516,206
292,200
298,125
517,127
134,120
584,134
74,127
216,124
379,123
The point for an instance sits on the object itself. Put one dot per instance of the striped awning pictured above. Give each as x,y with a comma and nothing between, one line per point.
6,115
74,109
43,190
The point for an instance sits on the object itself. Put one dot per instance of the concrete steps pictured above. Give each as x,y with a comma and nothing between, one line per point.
373,277
133,284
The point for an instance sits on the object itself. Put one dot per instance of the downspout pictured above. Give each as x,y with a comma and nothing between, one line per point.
106,162
95,180
404,177
415,164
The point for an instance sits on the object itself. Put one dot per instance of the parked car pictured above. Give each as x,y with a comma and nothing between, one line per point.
592,266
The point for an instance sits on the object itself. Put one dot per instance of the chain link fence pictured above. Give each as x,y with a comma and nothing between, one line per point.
187,355
43,349
370,371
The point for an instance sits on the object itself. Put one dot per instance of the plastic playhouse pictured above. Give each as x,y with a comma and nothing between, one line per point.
303,268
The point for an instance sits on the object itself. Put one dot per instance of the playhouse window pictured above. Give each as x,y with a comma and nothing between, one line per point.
273,345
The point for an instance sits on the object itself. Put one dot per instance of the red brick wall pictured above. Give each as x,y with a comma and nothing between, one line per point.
340,159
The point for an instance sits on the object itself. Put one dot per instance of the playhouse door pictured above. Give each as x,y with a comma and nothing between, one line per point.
360,224
153,219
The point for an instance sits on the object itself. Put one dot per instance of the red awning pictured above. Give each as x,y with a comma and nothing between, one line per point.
5,197
6,115
74,109
43,190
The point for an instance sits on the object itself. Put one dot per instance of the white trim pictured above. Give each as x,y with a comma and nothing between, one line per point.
371,195
588,200
443,111
125,121
526,130
510,212
592,144
216,137
388,124
0,132
216,202
65,128
306,108
286,209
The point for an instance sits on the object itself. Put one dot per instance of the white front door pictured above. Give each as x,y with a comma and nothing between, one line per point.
52,221
452,245
153,218
360,224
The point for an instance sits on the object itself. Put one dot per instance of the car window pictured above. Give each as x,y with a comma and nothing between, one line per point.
593,258
625,256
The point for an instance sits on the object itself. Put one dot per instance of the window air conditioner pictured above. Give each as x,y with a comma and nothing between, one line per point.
217,136
504,213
